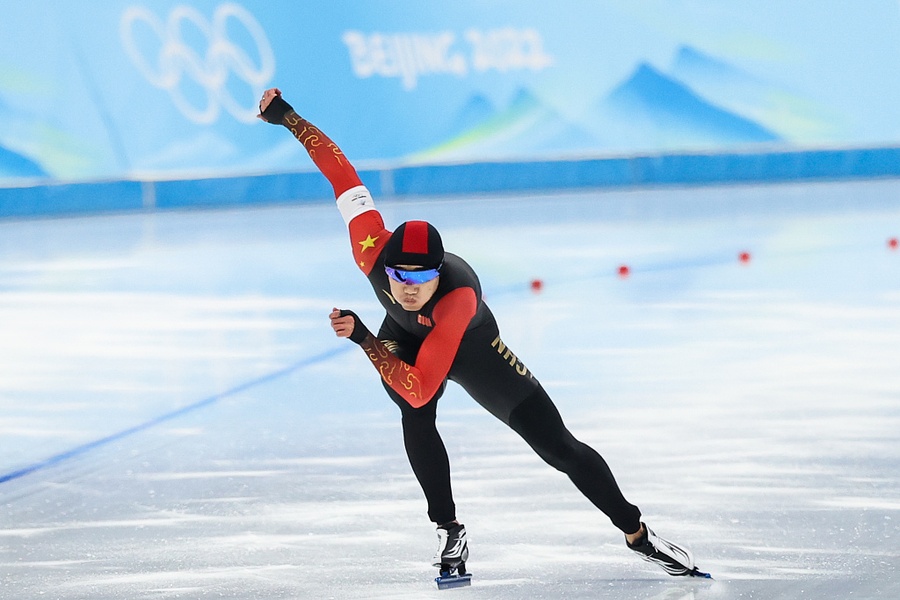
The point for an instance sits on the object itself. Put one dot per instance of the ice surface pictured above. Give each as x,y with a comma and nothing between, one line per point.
178,421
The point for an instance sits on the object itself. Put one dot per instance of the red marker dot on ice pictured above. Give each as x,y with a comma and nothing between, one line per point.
744,257
892,243
624,271
537,285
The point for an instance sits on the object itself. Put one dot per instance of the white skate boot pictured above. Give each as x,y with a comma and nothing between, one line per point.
674,559
451,557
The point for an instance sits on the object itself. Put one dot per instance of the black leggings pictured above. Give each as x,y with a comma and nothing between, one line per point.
498,381
539,424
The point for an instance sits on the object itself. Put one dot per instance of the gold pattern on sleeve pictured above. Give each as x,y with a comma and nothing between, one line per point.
312,137
392,369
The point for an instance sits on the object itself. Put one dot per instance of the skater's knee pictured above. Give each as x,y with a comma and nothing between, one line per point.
539,424
560,454
423,414
427,410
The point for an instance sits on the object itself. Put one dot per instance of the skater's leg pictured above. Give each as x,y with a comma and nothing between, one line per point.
424,447
539,423
537,420
492,374
497,379
428,457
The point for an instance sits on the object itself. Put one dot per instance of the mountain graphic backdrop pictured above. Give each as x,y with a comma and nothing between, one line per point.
13,164
525,127
701,104
651,109
773,106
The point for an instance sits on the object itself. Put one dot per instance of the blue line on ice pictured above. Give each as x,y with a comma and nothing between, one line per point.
62,456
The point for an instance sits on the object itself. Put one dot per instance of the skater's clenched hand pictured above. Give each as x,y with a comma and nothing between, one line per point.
346,324
272,107
343,326
266,99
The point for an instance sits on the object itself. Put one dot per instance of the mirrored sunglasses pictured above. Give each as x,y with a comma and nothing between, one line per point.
411,277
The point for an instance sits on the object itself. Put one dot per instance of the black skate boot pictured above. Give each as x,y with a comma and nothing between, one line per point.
451,557
674,559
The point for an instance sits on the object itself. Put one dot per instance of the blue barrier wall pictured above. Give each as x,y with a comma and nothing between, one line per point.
453,179
71,198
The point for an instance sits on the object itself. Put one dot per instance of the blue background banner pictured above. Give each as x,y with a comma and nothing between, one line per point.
168,90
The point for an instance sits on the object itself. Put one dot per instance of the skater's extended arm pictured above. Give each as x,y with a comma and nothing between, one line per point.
367,232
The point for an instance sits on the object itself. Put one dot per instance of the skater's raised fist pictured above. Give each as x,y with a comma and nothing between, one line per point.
272,107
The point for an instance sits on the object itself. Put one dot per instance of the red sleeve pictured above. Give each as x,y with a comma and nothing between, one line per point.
418,383
368,236
367,232
324,153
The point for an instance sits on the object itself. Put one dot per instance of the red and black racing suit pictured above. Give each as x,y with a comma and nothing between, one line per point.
454,336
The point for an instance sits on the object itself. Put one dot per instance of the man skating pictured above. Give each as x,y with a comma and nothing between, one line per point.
438,328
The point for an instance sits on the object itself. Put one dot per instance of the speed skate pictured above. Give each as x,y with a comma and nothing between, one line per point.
451,556
453,577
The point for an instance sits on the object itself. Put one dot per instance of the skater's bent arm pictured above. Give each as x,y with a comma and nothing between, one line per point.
418,383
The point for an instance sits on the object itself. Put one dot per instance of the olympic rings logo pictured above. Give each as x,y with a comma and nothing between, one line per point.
180,69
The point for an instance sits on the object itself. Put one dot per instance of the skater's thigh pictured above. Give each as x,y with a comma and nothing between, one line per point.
539,423
491,373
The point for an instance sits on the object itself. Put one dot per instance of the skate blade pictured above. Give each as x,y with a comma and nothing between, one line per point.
447,582
698,573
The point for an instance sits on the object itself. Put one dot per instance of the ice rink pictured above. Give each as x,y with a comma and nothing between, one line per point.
179,421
